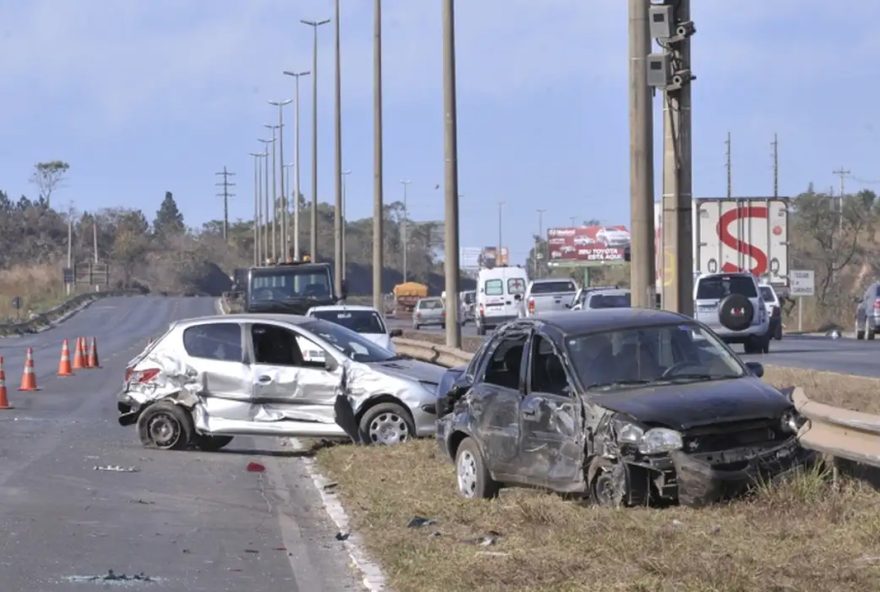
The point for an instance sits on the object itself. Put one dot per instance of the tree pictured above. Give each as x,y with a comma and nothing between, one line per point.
47,176
169,220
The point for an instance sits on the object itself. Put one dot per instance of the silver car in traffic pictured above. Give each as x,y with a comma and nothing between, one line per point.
212,378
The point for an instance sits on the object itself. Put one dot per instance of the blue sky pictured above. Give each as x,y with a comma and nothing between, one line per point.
147,96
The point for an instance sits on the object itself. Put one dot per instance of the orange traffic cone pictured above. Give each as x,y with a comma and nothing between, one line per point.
79,355
4,401
64,365
93,354
28,378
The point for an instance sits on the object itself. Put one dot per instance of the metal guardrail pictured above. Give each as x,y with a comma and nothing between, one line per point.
852,435
54,315
432,352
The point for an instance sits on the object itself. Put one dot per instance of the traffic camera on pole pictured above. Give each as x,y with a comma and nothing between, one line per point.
666,70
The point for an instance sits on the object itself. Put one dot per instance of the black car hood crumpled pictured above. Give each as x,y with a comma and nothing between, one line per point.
685,406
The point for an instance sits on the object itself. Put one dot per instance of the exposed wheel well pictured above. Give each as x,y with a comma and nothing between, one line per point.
455,441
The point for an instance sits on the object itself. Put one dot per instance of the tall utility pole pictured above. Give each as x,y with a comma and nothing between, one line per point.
225,184
450,150
344,220
285,247
274,251
729,167
405,224
678,278
378,213
313,247
641,160
775,144
500,243
842,173
538,241
265,216
257,156
338,247
70,247
296,192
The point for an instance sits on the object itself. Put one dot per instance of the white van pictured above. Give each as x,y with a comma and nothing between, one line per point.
499,296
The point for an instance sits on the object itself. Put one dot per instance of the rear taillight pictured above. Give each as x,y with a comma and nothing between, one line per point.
531,306
877,304
141,376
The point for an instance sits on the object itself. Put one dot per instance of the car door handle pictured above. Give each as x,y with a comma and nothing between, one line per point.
264,379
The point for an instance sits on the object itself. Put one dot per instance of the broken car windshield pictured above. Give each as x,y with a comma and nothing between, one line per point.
625,358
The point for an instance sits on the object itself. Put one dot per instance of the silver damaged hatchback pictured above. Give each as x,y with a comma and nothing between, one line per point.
209,379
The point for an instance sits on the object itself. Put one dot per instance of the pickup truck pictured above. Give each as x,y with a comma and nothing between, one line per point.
549,295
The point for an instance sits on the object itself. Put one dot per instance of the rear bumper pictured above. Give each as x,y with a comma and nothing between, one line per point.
129,409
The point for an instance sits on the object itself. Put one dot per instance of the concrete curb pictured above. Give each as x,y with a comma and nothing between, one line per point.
373,579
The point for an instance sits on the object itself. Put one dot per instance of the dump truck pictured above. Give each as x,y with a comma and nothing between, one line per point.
408,293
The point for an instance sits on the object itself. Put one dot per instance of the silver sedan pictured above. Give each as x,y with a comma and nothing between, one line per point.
212,378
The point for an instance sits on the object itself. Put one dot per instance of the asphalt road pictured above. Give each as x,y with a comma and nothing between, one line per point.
186,520
844,355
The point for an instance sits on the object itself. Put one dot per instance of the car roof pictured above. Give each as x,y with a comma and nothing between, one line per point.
731,274
332,307
245,318
607,319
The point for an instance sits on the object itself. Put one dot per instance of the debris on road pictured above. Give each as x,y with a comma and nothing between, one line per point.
420,521
486,540
255,467
113,578
117,469
342,536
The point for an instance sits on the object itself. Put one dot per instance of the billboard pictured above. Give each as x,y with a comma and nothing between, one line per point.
469,258
489,257
598,244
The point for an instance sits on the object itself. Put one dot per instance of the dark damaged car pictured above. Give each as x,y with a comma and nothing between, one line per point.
626,406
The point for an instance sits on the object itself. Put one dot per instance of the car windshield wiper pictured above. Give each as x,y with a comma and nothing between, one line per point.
699,376
616,383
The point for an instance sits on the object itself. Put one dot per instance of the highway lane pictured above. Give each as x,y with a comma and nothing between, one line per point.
844,355
187,520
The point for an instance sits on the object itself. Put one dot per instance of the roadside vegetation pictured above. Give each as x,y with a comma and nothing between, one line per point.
857,393
804,534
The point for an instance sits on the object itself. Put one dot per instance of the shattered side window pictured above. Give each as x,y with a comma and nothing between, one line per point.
547,371
216,341
505,362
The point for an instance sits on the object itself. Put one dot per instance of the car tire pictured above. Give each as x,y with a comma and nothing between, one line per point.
869,334
481,330
208,443
749,346
166,426
417,327
778,335
387,423
727,312
765,345
443,326
472,477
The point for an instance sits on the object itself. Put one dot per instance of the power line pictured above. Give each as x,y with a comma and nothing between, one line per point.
225,184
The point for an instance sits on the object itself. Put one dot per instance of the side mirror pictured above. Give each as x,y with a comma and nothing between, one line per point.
756,368
330,364
396,333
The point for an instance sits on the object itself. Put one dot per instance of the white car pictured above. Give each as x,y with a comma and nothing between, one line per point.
732,306
500,293
613,237
604,298
365,320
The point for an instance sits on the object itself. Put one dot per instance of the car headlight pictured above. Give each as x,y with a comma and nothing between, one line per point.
657,440
629,433
790,422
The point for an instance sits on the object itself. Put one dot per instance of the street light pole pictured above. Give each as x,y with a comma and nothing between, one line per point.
296,194
378,214
285,247
265,220
338,240
344,221
450,153
314,214
256,156
274,194
405,224
500,244
540,235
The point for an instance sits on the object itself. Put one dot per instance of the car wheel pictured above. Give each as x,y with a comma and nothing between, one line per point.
870,333
481,330
765,345
386,423
210,443
860,333
443,326
166,426
472,476
417,327
778,335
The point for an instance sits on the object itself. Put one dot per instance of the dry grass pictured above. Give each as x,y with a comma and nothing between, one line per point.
841,390
39,287
802,535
